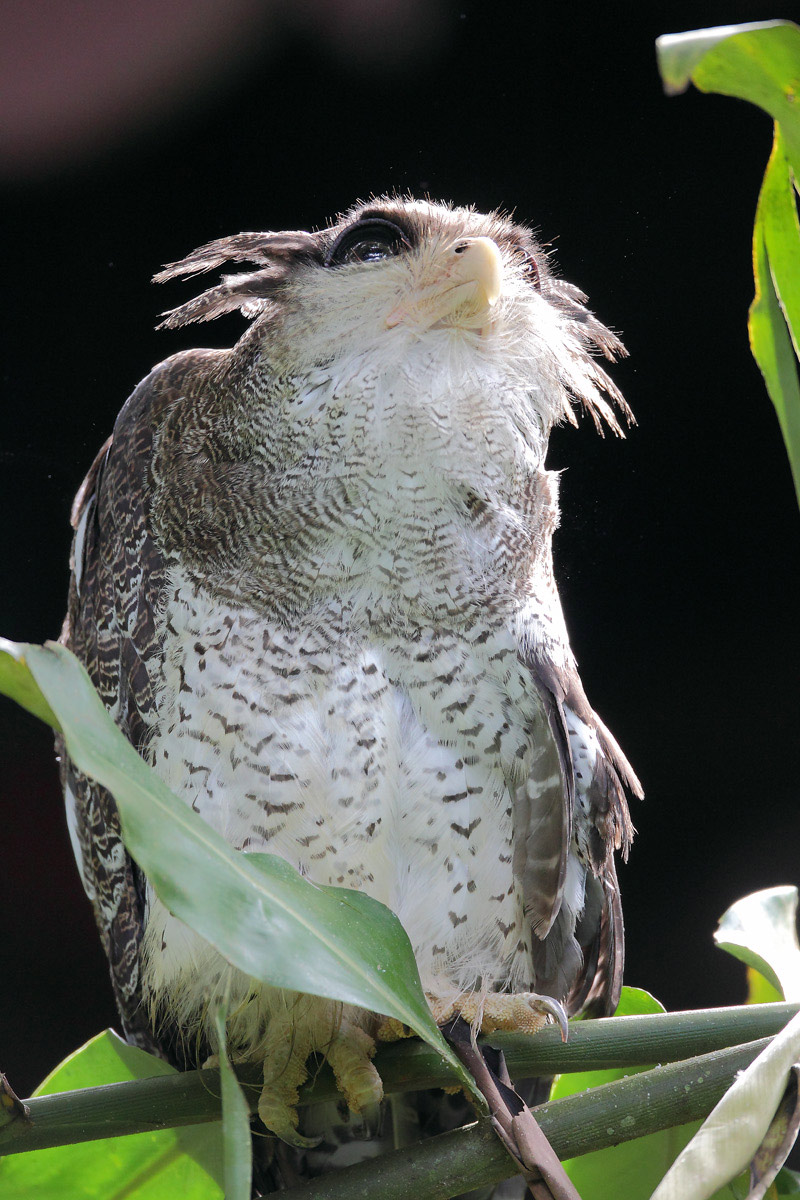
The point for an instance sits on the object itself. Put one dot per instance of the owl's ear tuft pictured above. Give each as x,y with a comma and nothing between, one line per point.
274,253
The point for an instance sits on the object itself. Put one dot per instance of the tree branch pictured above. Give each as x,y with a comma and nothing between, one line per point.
191,1098
473,1157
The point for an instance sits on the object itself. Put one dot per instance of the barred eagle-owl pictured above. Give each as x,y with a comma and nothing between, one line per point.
313,583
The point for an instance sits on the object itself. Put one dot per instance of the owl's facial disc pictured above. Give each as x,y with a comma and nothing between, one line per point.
466,282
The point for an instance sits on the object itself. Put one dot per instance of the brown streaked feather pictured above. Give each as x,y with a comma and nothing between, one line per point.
543,806
111,627
585,966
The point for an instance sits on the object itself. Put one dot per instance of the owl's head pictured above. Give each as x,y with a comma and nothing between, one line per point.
411,283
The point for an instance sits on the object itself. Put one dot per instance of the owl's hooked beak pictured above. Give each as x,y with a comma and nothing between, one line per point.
467,284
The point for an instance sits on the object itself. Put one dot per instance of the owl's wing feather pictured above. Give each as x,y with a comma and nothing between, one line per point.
118,574
577,951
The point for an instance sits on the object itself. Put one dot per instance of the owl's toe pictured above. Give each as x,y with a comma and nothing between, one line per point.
525,1012
350,1054
520,1012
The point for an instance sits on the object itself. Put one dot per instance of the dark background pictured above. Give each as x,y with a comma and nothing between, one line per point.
678,552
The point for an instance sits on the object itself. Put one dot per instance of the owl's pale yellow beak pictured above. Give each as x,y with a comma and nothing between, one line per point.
467,282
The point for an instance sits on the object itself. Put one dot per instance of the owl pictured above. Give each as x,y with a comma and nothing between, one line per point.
312,580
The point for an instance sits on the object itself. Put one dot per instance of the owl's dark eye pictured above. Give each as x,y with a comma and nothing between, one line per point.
367,241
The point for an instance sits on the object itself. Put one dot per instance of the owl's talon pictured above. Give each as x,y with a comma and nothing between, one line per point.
557,1012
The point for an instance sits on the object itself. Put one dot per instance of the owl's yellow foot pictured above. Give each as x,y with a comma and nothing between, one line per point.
523,1012
290,1041
287,1047
350,1054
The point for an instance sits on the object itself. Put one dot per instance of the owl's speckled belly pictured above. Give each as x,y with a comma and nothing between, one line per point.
369,762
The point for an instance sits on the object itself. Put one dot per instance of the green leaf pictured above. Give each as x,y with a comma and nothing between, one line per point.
16,681
776,269
236,1136
761,930
759,63
755,62
161,1165
256,910
787,1183
760,990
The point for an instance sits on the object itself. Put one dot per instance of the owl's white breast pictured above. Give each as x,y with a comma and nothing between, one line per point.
364,761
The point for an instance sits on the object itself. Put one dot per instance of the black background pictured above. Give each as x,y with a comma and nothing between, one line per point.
678,552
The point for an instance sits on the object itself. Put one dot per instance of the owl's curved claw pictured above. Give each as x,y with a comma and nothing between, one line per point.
558,1013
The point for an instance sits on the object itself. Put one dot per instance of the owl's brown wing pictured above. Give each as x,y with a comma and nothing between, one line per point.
118,575
573,802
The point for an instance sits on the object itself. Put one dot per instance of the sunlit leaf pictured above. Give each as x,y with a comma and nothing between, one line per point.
168,1163
755,62
759,63
256,910
776,270
16,681
761,930
760,990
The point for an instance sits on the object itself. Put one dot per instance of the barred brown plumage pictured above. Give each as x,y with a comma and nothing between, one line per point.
312,581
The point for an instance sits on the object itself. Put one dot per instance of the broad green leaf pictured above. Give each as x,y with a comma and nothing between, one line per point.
631,1169
760,63
776,270
761,930
777,210
183,1162
733,1131
236,1136
16,681
755,62
256,910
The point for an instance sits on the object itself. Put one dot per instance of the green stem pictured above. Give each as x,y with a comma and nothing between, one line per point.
191,1098
473,1157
